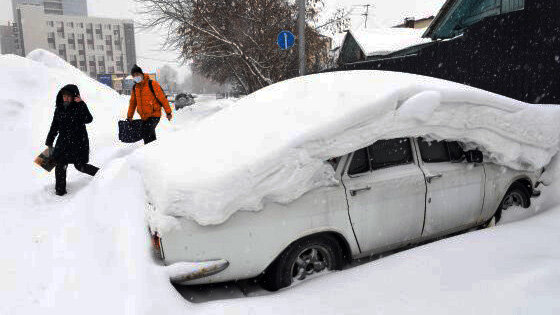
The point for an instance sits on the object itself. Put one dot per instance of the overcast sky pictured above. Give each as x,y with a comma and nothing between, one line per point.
150,56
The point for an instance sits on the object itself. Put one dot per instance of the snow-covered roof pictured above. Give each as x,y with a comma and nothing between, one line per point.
272,145
384,41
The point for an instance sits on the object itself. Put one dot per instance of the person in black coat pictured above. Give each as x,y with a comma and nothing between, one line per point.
72,146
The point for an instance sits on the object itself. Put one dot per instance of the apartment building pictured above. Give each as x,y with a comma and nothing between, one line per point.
94,45
7,39
59,7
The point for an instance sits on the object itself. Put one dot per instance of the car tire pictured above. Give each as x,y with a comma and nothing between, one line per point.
517,195
306,257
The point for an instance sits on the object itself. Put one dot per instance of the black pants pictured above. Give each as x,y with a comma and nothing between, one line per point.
60,174
149,129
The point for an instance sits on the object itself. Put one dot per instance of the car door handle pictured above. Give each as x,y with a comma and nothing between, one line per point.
430,177
354,192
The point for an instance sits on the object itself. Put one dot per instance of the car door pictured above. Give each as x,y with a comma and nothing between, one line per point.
455,193
386,194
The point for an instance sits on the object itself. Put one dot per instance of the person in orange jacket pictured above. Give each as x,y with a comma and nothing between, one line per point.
147,98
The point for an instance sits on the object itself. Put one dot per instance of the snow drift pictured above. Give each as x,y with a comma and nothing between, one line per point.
271,146
65,255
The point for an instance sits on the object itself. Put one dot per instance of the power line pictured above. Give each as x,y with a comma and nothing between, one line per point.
156,59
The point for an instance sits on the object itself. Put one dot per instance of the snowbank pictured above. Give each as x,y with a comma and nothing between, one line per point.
271,145
64,255
88,252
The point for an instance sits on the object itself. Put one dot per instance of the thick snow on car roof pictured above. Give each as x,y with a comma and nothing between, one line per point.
271,146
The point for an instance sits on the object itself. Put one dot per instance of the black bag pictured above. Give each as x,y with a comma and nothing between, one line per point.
130,131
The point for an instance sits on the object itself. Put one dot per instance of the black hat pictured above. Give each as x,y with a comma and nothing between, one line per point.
71,90
136,69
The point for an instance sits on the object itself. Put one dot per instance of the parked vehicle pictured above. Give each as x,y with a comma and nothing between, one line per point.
391,194
183,100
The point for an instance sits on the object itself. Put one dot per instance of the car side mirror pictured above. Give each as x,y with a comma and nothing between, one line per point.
474,156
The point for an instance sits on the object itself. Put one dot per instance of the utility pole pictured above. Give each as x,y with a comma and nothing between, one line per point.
301,36
367,13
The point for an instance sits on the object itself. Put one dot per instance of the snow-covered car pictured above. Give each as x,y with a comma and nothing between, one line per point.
183,100
305,175
393,193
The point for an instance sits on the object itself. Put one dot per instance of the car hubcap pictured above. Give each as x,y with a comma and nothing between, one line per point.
310,261
513,199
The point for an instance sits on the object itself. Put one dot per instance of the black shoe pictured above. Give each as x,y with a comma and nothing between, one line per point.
61,192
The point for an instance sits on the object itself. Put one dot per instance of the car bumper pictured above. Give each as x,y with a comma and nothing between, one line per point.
186,271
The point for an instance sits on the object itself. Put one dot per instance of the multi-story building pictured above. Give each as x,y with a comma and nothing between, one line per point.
60,7
7,39
94,45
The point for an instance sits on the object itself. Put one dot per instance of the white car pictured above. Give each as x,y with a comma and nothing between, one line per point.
391,194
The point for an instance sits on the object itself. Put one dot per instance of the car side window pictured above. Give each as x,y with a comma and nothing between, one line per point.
360,162
433,151
456,152
389,153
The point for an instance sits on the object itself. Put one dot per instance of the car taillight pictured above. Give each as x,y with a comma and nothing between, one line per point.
156,245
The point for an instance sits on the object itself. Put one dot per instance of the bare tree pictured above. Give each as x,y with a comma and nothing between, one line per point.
234,41
168,78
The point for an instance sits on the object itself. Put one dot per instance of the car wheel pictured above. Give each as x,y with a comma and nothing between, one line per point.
516,196
303,259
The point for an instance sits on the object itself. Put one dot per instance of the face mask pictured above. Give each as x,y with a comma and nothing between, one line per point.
138,79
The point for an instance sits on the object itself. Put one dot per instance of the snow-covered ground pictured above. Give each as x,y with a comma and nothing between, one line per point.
89,252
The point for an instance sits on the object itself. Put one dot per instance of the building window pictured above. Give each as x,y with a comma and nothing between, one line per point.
70,24
72,46
110,58
100,47
99,36
111,70
60,34
50,23
60,24
90,47
52,45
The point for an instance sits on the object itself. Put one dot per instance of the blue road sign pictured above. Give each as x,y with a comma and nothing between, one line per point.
286,40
